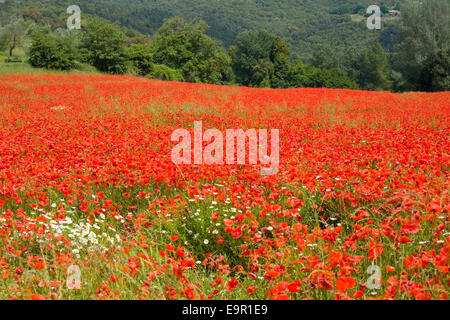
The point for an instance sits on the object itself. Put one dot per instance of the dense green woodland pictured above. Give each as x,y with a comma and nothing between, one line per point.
256,43
304,24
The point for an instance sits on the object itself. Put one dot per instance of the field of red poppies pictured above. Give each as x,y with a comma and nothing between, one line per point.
92,207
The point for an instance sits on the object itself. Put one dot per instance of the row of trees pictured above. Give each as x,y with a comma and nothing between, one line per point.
303,24
181,50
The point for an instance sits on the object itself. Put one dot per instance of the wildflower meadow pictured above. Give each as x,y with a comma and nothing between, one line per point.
92,205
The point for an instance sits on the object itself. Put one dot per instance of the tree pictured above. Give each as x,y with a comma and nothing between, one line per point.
141,58
370,67
33,14
261,60
436,72
325,57
297,75
104,44
373,67
8,12
135,37
424,39
280,56
252,63
12,35
50,52
183,45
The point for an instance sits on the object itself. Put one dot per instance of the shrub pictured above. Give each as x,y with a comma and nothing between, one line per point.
163,72
13,59
50,52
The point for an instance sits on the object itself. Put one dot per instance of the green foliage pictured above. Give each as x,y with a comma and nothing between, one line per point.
423,46
303,24
330,78
13,60
141,59
322,32
183,45
436,72
326,57
369,67
104,46
8,11
50,52
135,37
280,56
11,36
302,75
163,72
261,60
251,64
374,71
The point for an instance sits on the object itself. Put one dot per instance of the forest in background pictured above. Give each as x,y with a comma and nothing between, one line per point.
253,43
303,24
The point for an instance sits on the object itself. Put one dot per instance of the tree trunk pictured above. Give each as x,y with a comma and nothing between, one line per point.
11,48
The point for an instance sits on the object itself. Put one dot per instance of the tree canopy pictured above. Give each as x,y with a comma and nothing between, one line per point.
183,45
422,54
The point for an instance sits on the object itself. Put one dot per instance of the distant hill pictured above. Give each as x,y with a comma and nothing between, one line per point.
304,24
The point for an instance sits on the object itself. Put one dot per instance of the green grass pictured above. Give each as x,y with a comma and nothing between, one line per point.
25,68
